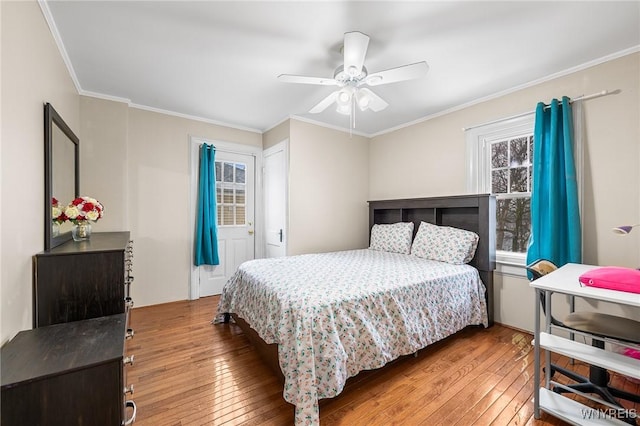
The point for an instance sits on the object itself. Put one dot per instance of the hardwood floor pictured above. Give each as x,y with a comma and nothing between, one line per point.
190,372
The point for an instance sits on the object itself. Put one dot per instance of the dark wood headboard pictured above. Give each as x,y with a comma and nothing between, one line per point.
472,212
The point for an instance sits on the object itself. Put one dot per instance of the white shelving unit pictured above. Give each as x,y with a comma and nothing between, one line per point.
573,412
610,360
565,281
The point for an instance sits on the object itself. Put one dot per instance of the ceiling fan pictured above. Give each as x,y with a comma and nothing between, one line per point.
352,76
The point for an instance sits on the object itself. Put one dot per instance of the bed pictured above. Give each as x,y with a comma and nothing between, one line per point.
319,319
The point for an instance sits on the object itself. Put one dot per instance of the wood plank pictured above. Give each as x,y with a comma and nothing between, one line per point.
191,372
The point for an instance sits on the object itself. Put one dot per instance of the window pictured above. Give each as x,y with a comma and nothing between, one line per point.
500,157
231,193
510,175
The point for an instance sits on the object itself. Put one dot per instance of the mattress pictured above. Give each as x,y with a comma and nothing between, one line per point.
335,314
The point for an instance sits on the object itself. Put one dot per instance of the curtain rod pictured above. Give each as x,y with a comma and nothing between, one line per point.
579,98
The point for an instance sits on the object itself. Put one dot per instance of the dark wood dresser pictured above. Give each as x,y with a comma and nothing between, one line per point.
66,374
82,280
71,368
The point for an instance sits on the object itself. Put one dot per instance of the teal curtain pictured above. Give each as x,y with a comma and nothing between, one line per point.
206,245
555,214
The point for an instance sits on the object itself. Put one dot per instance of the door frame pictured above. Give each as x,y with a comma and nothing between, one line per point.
234,148
284,146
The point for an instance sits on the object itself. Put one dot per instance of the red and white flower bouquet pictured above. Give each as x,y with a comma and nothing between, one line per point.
57,212
84,209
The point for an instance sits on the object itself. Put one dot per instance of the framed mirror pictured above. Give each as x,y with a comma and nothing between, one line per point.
61,174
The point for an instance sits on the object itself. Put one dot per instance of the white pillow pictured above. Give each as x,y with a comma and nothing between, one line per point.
395,238
444,243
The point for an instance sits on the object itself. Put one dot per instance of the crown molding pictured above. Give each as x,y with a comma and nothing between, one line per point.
577,68
329,126
277,124
195,118
105,97
44,7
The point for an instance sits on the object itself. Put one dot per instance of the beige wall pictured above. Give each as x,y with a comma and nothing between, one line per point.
276,134
149,153
103,159
428,159
144,181
33,73
328,189
159,184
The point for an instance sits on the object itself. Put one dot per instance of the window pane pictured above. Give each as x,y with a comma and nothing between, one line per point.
219,212
228,172
228,196
240,199
499,181
231,194
513,224
240,215
218,171
240,169
519,179
519,151
530,149
227,215
499,154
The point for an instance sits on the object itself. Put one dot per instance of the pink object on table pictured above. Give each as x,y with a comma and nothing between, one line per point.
613,278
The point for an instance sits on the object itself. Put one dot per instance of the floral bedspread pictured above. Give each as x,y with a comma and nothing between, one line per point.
336,314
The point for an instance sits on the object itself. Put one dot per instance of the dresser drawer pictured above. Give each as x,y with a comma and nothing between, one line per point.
65,374
82,280
89,396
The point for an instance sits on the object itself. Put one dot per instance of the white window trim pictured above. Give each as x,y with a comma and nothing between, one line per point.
477,177
477,173
477,141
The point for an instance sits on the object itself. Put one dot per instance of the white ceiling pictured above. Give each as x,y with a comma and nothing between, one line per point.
219,61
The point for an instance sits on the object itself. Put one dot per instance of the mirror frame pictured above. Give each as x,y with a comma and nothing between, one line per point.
51,118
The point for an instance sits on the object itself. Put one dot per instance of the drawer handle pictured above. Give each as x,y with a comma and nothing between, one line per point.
131,404
128,360
128,390
129,334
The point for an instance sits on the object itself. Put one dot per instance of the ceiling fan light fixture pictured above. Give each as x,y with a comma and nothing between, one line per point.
363,100
344,96
344,109
353,71
352,75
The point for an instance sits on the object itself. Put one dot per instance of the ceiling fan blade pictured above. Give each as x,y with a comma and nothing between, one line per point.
355,49
323,104
375,102
288,78
405,72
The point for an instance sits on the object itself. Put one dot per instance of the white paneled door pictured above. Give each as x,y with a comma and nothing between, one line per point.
235,178
275,197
